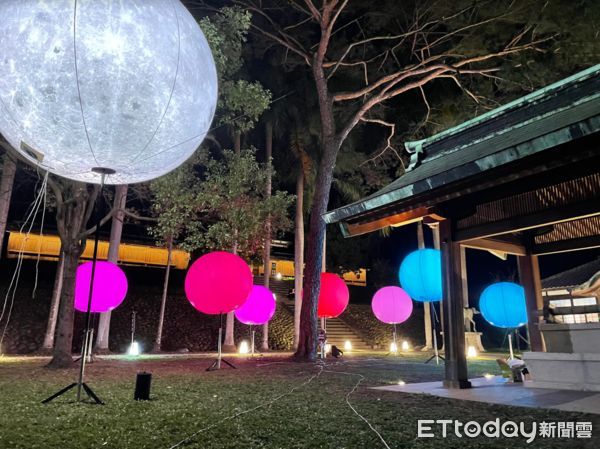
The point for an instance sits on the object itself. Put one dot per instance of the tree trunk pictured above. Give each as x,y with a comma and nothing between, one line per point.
71,219
61,356
307,344
229,343
9,169
52,315
426,306
298,254
116,230
267,254
163,301
237,142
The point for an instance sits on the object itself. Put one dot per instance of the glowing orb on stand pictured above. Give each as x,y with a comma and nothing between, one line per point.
333,296
218,282
258,308
421,275
109,289
392,305
503,305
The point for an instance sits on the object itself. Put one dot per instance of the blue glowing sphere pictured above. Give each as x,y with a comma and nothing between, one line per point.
421,275
503,305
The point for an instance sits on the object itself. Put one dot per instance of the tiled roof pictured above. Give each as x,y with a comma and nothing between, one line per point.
573,277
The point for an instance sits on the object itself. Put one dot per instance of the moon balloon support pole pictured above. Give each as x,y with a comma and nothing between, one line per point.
217,363
80,384
436,353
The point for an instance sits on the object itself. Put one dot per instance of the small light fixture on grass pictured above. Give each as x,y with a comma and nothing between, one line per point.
471,352
488,376
405,346
348,345
401,383
394,347
134,349
244,348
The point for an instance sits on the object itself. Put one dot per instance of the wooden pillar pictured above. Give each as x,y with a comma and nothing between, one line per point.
463,276
456,375
529,275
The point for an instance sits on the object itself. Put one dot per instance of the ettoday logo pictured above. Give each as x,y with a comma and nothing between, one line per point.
429,428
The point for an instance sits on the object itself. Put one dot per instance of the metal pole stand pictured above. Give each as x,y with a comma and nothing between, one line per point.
217,363
394,343
253,350
436,354
510,346
80,384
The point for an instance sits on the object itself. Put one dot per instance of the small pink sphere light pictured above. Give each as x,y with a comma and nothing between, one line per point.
109,289
333,296
259,308
218,282
392,305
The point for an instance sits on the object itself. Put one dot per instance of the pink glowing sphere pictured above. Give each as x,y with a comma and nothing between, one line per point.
333,296
392,305
109,290
218,282
259,308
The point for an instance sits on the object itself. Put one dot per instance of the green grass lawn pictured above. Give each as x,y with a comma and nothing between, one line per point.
187,399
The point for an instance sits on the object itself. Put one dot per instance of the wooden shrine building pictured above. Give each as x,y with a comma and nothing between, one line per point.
523,179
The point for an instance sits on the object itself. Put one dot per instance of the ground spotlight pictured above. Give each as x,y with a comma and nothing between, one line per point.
471,352
244,348
134,349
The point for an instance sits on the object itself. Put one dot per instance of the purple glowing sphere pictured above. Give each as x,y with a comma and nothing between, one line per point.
109,290
259,308
392,305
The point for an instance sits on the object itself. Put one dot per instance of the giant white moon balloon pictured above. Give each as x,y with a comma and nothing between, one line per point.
123,85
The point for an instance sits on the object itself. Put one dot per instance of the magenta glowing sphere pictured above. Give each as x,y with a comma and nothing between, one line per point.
392,305
218,282
259,307
110,287
333,296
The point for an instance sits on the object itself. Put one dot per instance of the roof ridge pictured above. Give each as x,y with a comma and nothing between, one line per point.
415,147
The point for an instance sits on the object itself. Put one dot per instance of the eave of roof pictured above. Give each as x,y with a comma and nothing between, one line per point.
475,151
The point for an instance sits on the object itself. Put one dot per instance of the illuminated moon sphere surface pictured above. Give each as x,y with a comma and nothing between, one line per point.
421,275
333,296
110,287
126,85
392,305
258,308
218,282
503,305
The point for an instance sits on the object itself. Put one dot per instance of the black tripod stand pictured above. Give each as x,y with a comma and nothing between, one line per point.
436,354
87,340
217,363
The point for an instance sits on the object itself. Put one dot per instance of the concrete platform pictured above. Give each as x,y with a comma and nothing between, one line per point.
497,390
